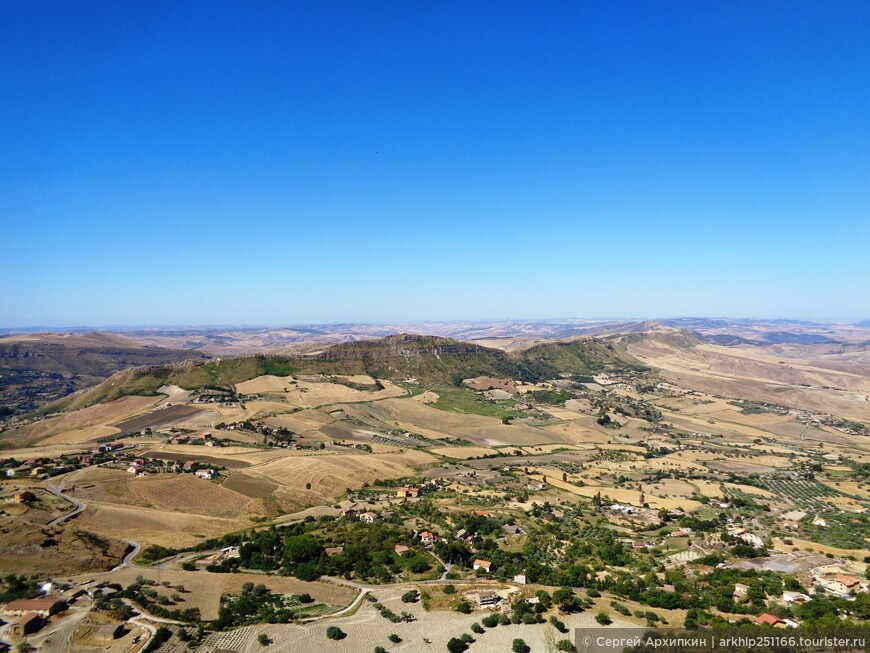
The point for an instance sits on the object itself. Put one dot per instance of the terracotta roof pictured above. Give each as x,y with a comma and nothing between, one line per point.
26,619
848,581
32,604
768,619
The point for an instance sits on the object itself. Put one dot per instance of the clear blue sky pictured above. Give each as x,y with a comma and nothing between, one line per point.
287,162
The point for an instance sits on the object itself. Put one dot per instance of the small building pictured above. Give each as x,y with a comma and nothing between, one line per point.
791,525
25,497
487,598
190,465
368,517
770,620
332,551
207,474
820,521
511,529
408,492
520,579
427,538
795,597
482,513
843,584
741,591
401,549
110,632
28,624
486,565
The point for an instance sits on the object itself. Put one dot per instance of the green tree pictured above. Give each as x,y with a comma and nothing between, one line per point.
519,646
456,645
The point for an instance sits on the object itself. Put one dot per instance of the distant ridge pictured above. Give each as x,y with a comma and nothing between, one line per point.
429,360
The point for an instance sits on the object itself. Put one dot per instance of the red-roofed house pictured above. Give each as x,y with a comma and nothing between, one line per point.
401,549
486,565
427,538
842,584
770,620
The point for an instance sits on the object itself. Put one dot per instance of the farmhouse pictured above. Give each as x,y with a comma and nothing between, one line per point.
486,565
333,551
406,492
770,620
487,598
207,474
820,521
401,549
29,623
190,465
741,591
520,579
25,497
43,607
842,584
427,538
110,632
368,517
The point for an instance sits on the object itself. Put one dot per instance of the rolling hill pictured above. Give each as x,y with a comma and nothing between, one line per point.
429,360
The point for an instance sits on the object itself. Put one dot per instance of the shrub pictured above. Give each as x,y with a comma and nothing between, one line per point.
395,639
477,629
565,645
558,624
520,646
456,645
450,589
603,618
411,596
463,606
263,639
334,632
490,620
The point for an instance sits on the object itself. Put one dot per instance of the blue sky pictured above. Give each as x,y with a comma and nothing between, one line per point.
278,163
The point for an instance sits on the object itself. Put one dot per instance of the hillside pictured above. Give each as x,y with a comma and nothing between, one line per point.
429,360
39,368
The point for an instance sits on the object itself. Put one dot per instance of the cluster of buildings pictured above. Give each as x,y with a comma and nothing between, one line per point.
141,466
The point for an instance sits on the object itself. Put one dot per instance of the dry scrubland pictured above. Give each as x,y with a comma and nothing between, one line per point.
703,436
203,590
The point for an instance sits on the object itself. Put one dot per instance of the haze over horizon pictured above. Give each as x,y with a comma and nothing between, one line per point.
311,163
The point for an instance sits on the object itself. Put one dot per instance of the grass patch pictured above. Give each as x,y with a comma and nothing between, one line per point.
465,400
